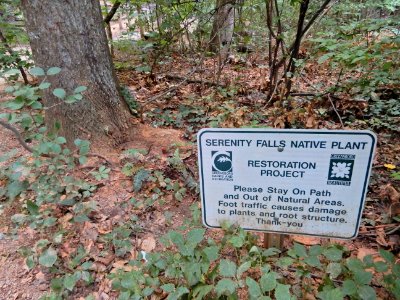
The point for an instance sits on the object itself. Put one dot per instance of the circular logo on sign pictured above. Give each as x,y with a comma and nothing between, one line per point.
222,161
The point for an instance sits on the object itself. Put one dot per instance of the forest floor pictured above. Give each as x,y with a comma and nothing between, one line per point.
173,106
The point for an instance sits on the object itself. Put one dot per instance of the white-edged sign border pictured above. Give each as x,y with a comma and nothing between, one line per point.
288,131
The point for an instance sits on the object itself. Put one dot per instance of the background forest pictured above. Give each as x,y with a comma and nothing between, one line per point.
100,106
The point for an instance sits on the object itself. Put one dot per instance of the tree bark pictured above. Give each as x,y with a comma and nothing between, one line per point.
70,35
222,30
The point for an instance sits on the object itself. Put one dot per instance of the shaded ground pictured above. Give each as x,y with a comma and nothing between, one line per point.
180,110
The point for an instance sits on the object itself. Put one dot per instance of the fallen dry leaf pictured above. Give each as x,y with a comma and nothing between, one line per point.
105,260
98,267
394,209
90,231
148,244
306,240
390,166
390,192
311,122
363,252
381,237
41,277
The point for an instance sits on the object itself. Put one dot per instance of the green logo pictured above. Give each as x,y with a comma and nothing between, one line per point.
341,169
222,161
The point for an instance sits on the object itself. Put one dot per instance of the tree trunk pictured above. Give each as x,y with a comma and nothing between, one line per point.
70,35
222,30
108,28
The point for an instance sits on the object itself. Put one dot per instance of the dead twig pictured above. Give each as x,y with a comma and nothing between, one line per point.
31,150
334,108
17,135
199,81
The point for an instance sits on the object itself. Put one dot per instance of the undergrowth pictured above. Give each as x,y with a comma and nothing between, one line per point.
192,264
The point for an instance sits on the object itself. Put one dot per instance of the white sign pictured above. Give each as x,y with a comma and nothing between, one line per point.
309,182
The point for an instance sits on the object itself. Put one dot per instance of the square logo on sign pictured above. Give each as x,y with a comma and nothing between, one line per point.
222,165
341,169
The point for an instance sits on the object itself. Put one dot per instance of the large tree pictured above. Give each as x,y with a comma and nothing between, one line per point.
70,35
222,30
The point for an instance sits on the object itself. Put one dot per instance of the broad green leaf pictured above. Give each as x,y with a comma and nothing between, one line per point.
254,288
44,85
366,292
70,99
56,284
201,291
300,250
237,241
195,236
82,160
78,97
313,261
48,257
69,281
41,243
83,145
178,293
32,207
86,265
225,287
15,188
362,277
243,268
270,252
324,58
9,89
30,262
55,148
227,268
49,221
282,292
192,273
268,282
349,287
334,269
80,89
16,104
380,266
284,262
141,176
58,238
36,71
177,238
60,140
168,288
354,264
333,254
389,257
147,291
81,218
333,294
53,71
211,253
11,72
59,93
316,250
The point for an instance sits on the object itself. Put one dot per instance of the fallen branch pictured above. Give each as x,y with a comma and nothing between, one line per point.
31,150
295,94
188,80
17,135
